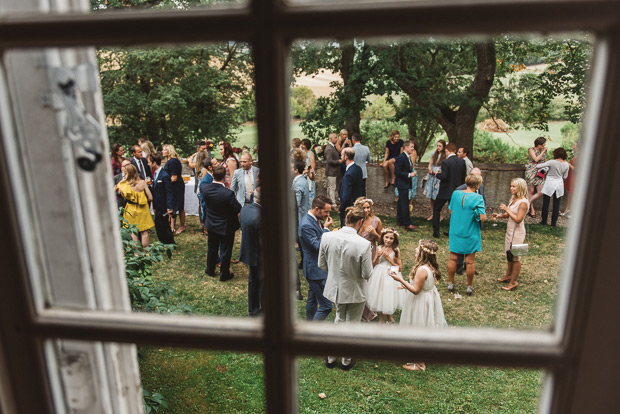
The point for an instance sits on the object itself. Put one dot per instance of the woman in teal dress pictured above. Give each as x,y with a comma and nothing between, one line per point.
468,212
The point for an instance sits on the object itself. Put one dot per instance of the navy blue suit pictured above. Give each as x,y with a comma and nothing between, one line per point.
221,222
351,188
163,201
453,172
402,169
310,233
250,254
145,165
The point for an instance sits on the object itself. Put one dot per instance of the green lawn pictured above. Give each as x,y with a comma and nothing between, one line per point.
202,381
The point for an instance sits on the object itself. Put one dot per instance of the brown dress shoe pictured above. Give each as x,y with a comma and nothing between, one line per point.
411,227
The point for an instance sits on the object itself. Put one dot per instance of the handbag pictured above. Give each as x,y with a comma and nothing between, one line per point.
542,173
517,249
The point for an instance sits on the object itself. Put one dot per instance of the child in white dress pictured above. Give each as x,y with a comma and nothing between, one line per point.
383,293
421,302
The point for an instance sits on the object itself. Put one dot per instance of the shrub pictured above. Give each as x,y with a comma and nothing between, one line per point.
378,110
489,149
302,101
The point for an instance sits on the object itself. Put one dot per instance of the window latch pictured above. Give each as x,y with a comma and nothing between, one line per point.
81,128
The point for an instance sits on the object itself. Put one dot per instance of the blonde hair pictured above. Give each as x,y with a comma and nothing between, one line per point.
131,175
363,200
427,255
171,152
147,147
521,188
473,181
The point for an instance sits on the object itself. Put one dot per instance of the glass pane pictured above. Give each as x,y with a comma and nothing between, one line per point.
204,382
197,101
380,386
103,5
506,104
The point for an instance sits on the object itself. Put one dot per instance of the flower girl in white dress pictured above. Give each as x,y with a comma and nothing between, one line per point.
383,293
421,302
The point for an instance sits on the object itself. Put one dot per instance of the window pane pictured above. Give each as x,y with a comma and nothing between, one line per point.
101,5
380,386
198,381
492,98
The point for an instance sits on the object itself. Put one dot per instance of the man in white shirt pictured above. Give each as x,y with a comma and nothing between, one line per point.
463,153
347,259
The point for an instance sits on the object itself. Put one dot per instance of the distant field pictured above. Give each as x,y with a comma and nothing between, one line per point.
522,138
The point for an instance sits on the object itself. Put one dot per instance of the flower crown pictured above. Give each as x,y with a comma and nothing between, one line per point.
389,230
426,249
364,200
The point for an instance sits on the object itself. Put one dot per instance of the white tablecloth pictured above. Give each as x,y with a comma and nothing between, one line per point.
191,200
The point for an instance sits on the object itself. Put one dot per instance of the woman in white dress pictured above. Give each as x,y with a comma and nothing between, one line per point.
554,184
383,295
421,302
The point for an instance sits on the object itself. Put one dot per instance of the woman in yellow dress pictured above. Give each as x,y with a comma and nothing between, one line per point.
138,196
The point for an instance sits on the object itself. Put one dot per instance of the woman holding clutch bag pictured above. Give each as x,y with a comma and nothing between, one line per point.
515,211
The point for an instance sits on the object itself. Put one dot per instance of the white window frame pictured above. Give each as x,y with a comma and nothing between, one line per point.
579,353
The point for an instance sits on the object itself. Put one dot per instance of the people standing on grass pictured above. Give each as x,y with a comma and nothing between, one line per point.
570,180
420,299
515,211
554,184
533,177
383,295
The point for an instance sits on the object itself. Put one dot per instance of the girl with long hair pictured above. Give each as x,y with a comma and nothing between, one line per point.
116,158
229,160
432,183
383,296
421,302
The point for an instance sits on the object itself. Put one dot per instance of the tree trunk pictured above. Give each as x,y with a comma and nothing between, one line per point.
353,87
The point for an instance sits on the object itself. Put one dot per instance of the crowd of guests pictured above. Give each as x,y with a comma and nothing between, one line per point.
356,269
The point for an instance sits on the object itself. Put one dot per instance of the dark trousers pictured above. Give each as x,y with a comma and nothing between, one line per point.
162,227
343,213
364,187
255,291
439,203
223,242
545,210
402,208
315,297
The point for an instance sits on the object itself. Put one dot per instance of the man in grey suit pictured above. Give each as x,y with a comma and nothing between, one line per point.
332,167
249,254
244,179
347,258
362,156
302,196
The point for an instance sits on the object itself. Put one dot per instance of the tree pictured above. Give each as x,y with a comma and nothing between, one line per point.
174,95
302,101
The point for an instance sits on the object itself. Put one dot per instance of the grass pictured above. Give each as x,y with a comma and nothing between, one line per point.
200,381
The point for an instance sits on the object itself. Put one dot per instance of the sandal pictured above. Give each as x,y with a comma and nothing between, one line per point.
510,287
414,367
429,218
179,231
503,279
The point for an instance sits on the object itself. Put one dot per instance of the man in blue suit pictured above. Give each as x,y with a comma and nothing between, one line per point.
310,232
221,221
302,196
250,252
403,170
141,164
352,185
451,175
163,202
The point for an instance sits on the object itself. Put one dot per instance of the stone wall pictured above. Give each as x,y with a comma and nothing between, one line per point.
496,178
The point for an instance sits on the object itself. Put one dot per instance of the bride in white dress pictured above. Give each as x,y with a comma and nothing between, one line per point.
383,294
420,300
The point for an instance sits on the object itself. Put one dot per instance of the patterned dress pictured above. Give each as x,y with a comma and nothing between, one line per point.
432,183
530,169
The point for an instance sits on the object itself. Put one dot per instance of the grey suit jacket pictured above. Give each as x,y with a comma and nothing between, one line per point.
347,258
302,196
237,183
362,156
332,161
